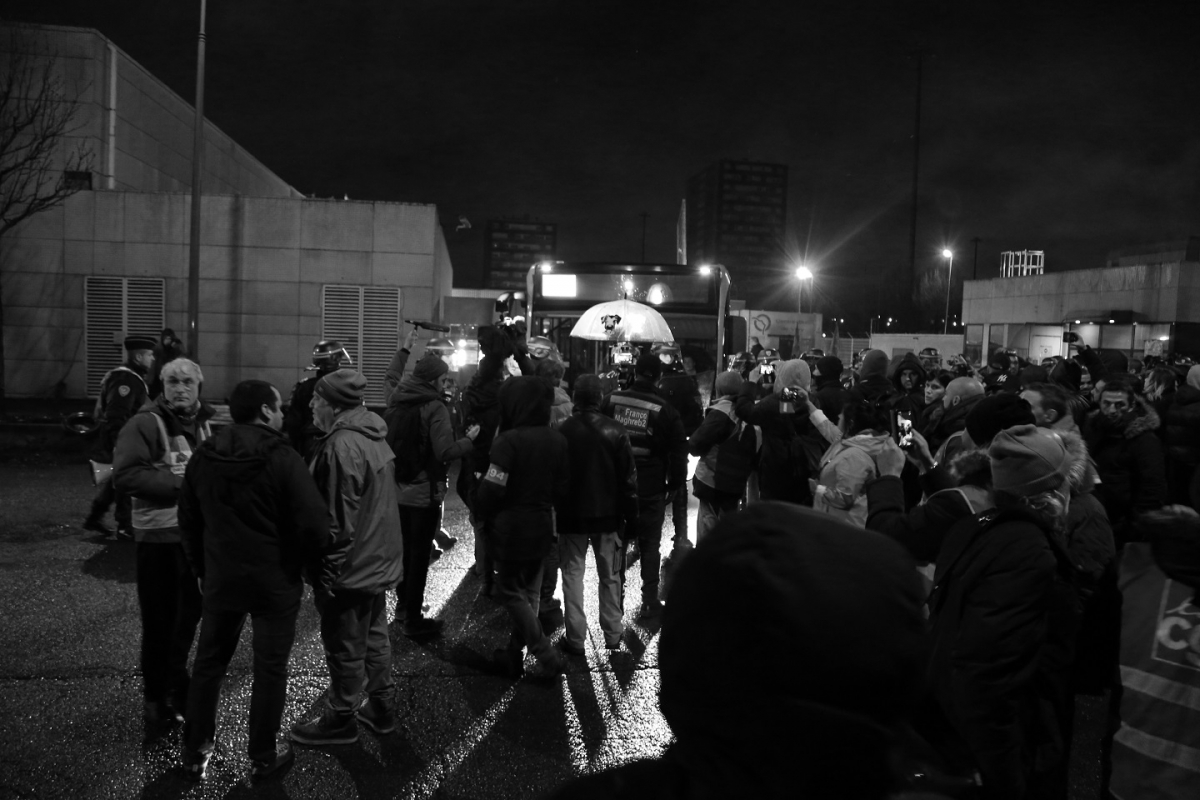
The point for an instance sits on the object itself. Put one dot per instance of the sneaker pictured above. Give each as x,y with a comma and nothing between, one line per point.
97,526
651,609
422,627
329,728
377,715
195,764
511,662
160,712
272,767
571,649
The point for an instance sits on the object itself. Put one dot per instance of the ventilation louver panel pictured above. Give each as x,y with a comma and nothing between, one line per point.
366,319
113,309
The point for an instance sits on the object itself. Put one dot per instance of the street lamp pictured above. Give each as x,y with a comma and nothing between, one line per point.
949,255
803,274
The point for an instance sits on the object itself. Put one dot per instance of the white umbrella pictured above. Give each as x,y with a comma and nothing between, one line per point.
622,321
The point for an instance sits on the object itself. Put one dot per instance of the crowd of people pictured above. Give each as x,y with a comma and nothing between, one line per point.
1005,538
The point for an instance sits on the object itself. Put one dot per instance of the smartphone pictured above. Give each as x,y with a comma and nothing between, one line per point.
904,429
1070,337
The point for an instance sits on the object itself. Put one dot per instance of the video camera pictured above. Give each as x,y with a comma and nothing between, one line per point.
793,400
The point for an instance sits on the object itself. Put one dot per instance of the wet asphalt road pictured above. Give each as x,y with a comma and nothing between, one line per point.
70,687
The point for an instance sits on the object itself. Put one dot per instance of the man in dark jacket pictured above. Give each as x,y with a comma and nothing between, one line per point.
528,475
1182,440
908,377
728,450
961,396
168,348
328,355
872,377
353,468
123,391
1128,454
1004,617
795,434
421,495
251,518
823,727
148,464
601,501
827,378
683,393
660,451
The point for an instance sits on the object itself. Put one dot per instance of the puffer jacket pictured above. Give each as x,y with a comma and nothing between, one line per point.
353,469
529,473
1089,537
845,469
429,487
1129,461
1182,427
251,519
603,487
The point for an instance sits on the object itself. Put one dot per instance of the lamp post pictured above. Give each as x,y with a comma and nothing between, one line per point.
197,175
803,274
949,255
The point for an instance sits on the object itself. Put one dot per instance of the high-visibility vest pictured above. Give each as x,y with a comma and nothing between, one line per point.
157,521
1156,751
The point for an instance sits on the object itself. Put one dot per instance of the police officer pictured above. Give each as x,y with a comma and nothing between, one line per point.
328,356
123,391
660,454
682,392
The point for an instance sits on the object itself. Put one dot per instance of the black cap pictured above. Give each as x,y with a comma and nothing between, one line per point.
140,342
996,413
648,364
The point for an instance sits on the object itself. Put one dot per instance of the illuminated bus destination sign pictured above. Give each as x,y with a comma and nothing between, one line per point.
652,288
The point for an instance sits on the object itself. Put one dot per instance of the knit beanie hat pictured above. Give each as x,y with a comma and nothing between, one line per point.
995,413
729,383
829,367
792,374
343,387
430,368
874,363
1027,460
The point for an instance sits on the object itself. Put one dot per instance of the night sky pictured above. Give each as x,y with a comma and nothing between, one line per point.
1073,128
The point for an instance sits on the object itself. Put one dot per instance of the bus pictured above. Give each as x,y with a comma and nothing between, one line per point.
694,301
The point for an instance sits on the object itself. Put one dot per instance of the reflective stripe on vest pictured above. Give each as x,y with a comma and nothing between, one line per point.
151,515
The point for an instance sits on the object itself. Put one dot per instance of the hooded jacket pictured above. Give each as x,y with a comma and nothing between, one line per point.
529,473
845,469
1182,426
910,400
430,486
353,470
1129,460
603,486
723,470
251,519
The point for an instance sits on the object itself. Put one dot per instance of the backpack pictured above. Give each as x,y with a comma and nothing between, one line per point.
404,436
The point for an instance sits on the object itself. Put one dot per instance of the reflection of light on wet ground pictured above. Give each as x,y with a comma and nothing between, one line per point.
426,784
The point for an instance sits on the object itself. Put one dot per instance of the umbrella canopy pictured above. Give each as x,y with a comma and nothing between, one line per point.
622,321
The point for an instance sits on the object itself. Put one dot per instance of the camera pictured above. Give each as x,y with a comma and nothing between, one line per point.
792,400
904,430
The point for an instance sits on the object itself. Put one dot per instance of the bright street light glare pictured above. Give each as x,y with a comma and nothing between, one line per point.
705,269
947,253
546,266
804,273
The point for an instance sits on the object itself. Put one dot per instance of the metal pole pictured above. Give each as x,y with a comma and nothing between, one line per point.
197,169
912,233
949,276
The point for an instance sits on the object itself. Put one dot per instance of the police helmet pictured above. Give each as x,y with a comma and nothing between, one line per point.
330,354
541,347
768,356
669,354
812,354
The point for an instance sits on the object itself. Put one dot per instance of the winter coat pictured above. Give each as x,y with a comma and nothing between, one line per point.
923,530
912,400
845,469
602,493
251,518
430,486
138,469
1129,460
1182,427
394,374
831,397
529,473
353,470
123,392
953,421
655,433
683,393
792,445
1089,537
1004,616
560,409
724,468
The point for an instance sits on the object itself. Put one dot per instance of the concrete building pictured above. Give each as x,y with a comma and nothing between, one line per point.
1146,301
278,271
511,247
737,216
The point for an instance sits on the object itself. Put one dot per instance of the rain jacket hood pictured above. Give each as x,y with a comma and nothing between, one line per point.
413,389
874,365
908,361
362,420
525,401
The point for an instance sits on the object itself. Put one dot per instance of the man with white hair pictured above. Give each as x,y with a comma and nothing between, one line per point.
148,464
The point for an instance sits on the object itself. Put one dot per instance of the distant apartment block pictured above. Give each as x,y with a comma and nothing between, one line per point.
511,247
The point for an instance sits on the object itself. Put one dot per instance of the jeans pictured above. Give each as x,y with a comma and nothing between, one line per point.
169,600
418,524
518,588
606,548
354,630
679,506
649,538
711,511
273,635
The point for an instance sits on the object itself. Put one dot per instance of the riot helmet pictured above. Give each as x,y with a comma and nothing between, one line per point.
930,358
670,355
540,347
329,355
